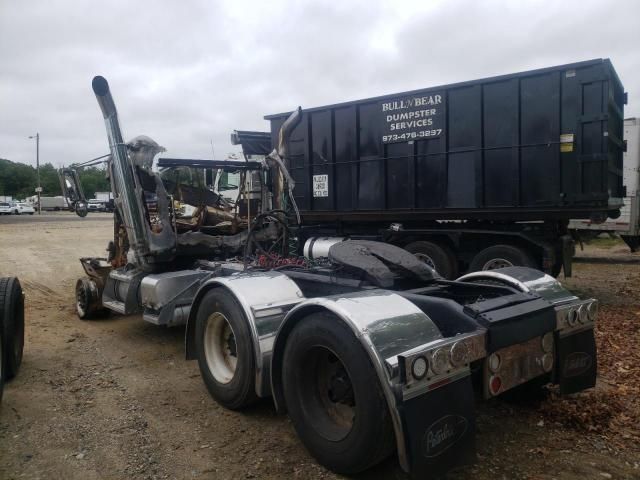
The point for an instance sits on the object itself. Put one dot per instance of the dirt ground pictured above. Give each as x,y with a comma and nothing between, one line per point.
114,398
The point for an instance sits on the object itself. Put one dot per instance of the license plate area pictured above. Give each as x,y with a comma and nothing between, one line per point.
511,366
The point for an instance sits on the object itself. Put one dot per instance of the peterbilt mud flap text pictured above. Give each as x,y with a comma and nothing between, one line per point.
577,362
440,429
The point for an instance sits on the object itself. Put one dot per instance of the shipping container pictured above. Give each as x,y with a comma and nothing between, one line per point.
534,145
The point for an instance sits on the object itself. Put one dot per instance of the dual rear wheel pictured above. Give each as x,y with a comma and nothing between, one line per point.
330,387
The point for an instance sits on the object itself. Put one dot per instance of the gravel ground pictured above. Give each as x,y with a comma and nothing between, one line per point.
114,398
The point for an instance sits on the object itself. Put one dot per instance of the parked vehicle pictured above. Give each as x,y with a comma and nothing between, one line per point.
95,205
19,208
363,344
469,176
50,203
6,208
107,200
627,225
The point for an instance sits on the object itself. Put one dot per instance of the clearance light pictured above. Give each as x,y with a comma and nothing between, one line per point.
419,367
583,314
494,362
547,342
439,361
459,354
572,317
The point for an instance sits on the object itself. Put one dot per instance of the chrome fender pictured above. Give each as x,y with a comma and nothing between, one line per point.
385,323
265,298
525,279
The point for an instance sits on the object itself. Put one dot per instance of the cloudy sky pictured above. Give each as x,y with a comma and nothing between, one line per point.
188,72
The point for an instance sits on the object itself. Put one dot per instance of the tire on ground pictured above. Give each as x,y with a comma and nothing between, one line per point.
498,256
1,363
230,384
320,403
88,305
438,256
12,321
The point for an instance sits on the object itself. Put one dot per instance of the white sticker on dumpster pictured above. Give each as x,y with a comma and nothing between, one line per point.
321,185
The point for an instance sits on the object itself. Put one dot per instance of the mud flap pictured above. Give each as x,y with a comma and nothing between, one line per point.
577,362
440,429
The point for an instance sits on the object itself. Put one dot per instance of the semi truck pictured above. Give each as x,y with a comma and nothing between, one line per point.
365,346
627,225
469,176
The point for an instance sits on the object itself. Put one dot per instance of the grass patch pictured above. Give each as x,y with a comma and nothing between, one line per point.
605,242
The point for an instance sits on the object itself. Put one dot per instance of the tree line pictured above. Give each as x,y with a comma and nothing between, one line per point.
19,180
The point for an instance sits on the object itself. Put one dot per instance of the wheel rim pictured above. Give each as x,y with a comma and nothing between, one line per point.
327,392
426,259
220,348
497,263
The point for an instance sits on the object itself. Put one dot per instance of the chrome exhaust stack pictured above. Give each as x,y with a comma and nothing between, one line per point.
147,246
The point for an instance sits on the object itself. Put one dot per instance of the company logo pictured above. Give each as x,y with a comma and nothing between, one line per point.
443,434
577,363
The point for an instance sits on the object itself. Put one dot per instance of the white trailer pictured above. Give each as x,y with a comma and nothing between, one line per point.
50,203
104,196
627,225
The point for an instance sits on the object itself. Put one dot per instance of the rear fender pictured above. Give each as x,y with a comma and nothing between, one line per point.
388,325
265,298
525,279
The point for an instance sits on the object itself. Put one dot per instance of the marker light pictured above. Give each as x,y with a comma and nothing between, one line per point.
439,361
547,342
572,317
494,362
419,367
459,354
582,313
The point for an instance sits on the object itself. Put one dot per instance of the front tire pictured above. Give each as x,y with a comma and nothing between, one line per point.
12,322
333,396
88,303
225,350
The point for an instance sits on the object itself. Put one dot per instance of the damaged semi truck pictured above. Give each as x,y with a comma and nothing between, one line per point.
366,347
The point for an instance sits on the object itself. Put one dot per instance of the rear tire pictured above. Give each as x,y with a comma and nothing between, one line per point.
333,396
12,321
224,349
499,256
437,256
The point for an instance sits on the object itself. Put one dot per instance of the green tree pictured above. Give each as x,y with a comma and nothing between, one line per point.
20,180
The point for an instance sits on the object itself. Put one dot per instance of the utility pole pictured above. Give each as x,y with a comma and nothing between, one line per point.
39,188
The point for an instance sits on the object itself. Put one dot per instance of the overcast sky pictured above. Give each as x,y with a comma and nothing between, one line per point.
188,72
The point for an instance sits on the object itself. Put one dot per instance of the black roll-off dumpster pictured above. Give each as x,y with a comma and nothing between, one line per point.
532,145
